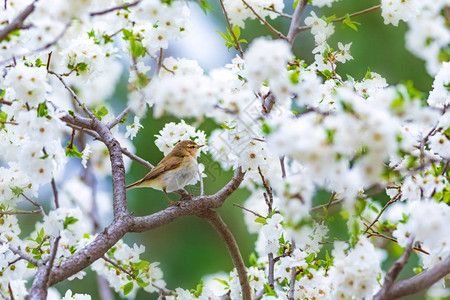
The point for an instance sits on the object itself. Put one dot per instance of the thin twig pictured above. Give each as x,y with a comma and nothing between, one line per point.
270,275
137,158
123,6
304,28
74,95
377,234
35,204
283,15
20,212
320,207
22,254
395,199
236,42
270,27
269,201
5,102
293,277
283,167
250,211
200,178
119,118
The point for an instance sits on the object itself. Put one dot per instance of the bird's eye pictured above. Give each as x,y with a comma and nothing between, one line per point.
193,147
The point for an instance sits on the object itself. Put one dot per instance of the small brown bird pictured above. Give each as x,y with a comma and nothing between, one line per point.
174,171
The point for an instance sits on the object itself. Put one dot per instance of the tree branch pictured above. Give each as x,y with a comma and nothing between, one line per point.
304,28
395,269
296,18
74,95
237,46
17,23
270,27
417,283
213,218
119,118
106,11
185,208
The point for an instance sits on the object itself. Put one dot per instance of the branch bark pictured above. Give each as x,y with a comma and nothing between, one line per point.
417,283
17,23
213,218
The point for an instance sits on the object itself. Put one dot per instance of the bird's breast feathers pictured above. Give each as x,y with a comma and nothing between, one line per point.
181,176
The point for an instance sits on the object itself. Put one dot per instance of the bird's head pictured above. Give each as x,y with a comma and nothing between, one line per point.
187,147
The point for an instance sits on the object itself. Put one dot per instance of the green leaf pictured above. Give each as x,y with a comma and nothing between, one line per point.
310,258
127,288
418,269
42,109
294,4
237,31
91,34
141,283
368,74
72,151
16,190
102,112
38,63
30,266
352,24
136,48
82,66
354,233
268,290
227,127
261,220
69,221
330,18
253,260
205,6
344,214
142,265
222,281
330,135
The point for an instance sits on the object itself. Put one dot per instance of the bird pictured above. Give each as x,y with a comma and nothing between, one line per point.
174,171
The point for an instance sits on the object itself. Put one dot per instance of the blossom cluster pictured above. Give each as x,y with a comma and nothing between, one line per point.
297,130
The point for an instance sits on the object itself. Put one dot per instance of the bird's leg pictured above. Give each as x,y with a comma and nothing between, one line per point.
171,202
183,194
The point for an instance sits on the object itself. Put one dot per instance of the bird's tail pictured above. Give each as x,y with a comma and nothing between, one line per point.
133,185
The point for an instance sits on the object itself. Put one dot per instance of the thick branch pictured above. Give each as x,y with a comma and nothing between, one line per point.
123,224
417,283
17,23
40,283
95,250
187,207
118,180
219,225
296,18
395,270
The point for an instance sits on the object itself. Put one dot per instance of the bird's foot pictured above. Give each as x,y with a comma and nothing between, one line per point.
177,203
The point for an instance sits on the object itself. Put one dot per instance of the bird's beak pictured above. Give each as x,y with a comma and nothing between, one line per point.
199,146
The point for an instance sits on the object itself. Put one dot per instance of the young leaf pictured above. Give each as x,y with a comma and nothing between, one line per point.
127,288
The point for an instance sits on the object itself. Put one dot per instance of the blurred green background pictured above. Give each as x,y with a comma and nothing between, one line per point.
189,248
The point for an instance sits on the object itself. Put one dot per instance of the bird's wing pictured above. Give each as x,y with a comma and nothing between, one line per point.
166,164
